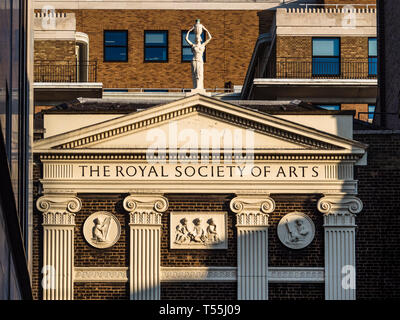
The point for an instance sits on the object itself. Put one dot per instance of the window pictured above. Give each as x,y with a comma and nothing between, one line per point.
372,57
155,90
115,45
330,107
371,111
187,54
156,46
326,56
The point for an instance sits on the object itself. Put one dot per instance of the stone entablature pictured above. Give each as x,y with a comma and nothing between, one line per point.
328,21
54,26
161,5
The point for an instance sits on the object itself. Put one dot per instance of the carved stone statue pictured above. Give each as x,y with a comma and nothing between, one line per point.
198,51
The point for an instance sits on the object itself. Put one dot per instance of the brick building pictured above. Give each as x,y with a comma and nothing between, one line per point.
288,214
77,42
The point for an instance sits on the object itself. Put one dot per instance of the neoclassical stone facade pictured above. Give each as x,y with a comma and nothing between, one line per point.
121,166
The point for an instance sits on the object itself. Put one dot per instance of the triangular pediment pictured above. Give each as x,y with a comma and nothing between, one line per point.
190,121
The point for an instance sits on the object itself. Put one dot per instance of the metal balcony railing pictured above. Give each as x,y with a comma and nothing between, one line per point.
293,68
65,71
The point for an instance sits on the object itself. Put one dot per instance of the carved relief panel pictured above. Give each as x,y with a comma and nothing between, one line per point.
202,230
296,230
101,229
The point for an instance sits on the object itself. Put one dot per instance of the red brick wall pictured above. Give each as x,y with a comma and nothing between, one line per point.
54,52
86,255
280,255
63,50
296,291
199,291
101,291
378,231
358,108
228,54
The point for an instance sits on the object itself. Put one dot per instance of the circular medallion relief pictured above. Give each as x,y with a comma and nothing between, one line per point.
296,230
102,229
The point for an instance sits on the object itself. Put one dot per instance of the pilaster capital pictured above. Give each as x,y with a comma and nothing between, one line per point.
59,208
339,210
340,204
145,209
252,210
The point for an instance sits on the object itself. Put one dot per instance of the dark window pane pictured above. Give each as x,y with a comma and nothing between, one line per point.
192,38
326,47
115,38
372,47
155,90
326,66
372,66
115,54
154,38
156,54
331,108
187,54
371,110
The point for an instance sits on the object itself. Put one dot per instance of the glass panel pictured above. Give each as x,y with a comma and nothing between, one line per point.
192,37
372,66
326,66
155,54
372,47
155,38
187,54
326,47
331,108
115,54
155,90
115,38
371,110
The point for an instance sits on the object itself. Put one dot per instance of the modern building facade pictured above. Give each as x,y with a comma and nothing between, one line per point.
16,115
251,191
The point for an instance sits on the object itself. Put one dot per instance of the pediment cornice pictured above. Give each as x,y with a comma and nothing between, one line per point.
265,124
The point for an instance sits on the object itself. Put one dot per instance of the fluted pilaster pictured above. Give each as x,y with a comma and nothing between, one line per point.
340,254
145,211
252,244
58,212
